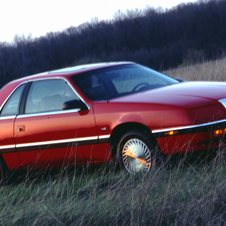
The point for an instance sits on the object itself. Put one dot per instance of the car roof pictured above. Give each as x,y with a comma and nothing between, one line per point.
61,73
86,67
69,71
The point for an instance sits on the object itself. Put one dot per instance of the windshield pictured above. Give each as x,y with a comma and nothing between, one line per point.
112,82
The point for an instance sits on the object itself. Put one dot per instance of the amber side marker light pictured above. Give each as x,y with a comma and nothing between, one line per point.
170,133
219,132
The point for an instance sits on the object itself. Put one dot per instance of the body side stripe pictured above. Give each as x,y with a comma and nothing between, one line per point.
8,147
55,144
191,129
74,140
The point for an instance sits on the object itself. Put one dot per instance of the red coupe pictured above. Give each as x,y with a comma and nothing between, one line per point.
92,113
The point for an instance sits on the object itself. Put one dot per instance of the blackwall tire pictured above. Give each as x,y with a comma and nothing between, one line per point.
135,152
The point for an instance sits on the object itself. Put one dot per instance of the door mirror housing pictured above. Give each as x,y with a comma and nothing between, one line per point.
74,104
180,79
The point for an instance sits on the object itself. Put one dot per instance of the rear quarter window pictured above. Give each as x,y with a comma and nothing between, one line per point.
11,106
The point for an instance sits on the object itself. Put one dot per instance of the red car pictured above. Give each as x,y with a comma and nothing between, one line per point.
92,113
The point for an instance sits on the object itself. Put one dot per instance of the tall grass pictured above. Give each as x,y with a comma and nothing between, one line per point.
206,71
191,194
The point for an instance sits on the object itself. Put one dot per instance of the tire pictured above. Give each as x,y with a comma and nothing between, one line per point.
136,152
3,171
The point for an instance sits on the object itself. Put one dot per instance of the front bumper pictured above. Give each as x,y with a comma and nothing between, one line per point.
200,137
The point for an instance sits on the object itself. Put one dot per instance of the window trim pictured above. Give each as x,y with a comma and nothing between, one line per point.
25,93
19,102
47,113
3,104
24,98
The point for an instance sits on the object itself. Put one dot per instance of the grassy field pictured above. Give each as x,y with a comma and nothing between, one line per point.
190,194
207,71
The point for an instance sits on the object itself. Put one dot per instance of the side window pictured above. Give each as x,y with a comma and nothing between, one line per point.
48,95
12,105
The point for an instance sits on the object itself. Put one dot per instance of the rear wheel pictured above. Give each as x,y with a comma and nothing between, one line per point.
135,152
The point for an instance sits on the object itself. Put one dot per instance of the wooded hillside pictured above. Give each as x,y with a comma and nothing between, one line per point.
159,39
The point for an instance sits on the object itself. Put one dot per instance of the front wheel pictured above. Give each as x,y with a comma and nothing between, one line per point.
135,152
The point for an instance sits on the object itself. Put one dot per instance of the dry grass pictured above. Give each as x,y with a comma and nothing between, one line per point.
194,194
207,71
191,195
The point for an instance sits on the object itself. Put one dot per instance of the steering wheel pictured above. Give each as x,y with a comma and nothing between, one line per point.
138,85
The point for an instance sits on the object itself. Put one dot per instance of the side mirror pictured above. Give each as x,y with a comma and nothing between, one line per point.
180,79
73,104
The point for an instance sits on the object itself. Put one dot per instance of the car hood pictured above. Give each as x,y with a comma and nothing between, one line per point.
187,94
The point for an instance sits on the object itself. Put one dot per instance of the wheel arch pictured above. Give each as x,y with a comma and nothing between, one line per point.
121,129
3,170
3,161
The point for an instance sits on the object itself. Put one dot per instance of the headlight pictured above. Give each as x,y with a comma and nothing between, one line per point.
223,101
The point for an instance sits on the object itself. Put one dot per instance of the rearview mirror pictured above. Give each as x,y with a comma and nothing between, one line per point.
73,104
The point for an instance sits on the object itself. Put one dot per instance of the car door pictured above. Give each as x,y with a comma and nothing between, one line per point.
8,114
47,136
